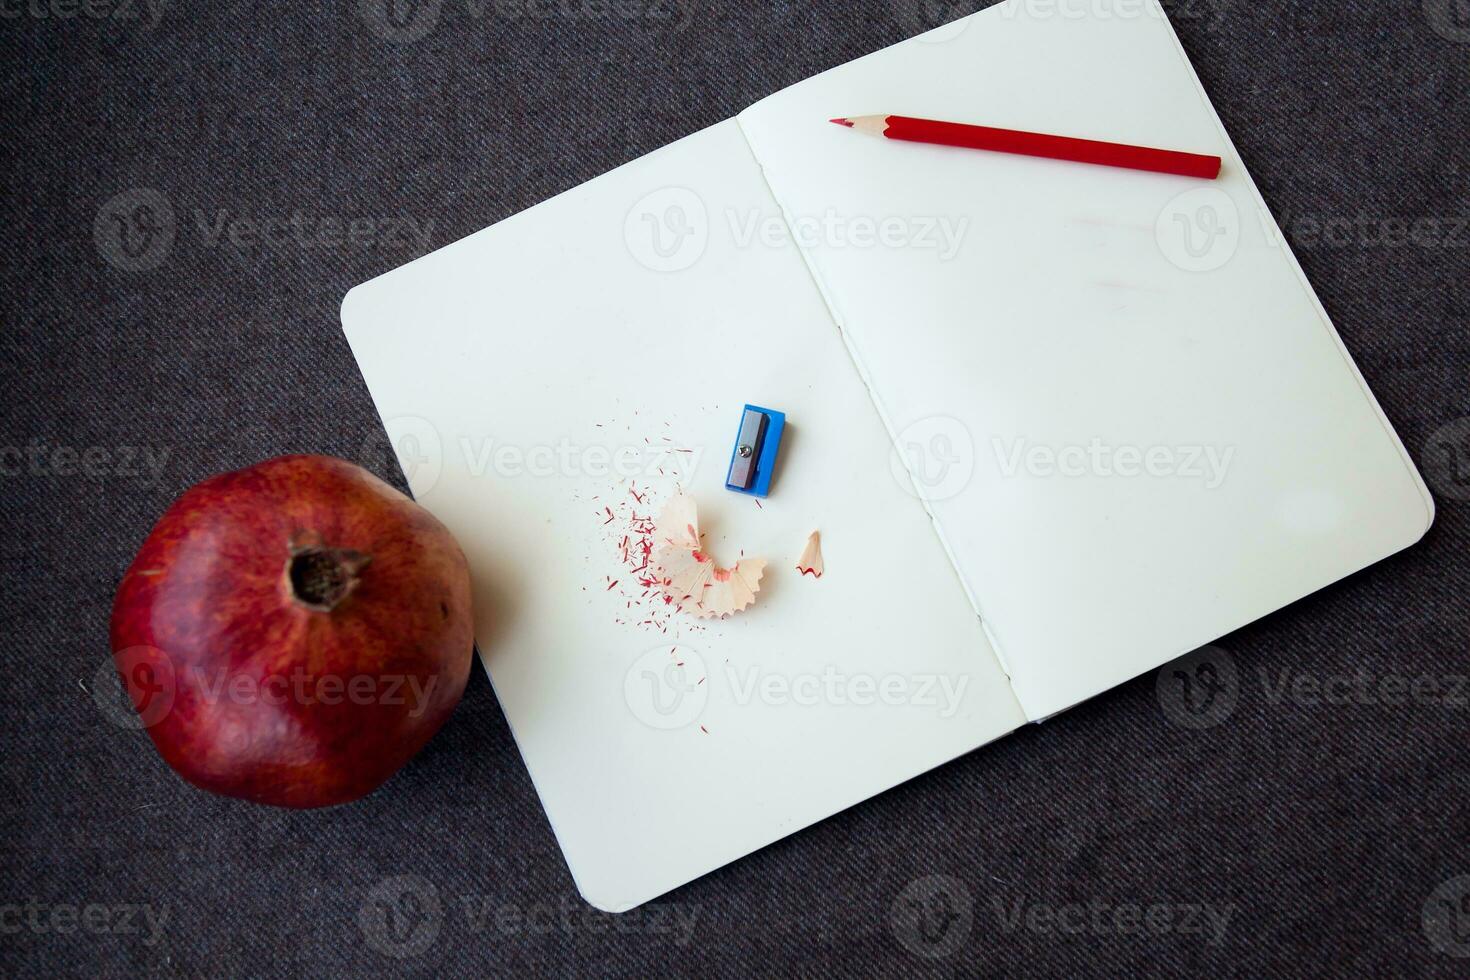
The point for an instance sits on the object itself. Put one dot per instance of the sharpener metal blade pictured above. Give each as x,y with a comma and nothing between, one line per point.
748,446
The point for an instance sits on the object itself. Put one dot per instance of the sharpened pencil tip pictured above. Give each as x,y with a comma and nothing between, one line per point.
842,121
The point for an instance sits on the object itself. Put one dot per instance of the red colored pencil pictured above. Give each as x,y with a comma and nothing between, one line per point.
1036,145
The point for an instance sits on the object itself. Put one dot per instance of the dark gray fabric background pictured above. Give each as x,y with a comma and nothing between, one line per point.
1327,827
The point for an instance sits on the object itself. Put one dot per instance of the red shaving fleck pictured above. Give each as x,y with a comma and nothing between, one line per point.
632,538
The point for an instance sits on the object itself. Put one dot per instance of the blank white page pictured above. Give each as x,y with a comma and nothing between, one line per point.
1075,322
511,365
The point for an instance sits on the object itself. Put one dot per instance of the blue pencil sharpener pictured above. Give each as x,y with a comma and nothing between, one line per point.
754,458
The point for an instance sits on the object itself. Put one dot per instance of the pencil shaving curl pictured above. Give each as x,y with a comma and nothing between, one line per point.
689,575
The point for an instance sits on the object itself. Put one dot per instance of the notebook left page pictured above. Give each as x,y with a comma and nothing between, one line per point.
548,383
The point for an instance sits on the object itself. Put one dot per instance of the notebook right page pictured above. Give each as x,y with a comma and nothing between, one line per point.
1134,425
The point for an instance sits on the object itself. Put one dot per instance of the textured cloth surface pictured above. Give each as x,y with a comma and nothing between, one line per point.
1316,826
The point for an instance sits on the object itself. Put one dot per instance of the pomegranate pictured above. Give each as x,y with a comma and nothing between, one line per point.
292,633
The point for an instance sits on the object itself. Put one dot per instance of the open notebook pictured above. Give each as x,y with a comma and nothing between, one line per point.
1057,424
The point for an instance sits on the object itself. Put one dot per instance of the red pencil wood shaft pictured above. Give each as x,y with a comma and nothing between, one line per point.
1053,147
